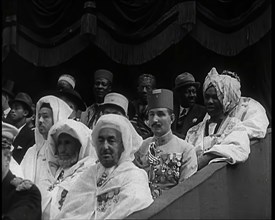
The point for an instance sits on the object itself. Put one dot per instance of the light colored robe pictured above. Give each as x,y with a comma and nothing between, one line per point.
253,117
54,191
15,168
35,157
125,191
231,141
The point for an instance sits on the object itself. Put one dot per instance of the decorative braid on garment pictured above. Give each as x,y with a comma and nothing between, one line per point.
59,180
164,170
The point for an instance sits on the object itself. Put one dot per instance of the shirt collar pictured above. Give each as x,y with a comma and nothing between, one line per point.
19,129
6,112
164,139
181,111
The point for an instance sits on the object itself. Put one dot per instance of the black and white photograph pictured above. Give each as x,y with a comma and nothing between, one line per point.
136,109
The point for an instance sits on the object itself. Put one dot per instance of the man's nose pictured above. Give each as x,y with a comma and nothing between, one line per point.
210,100
61,148
105,144
155,118
40,119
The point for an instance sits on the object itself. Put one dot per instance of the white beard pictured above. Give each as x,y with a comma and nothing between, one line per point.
69,162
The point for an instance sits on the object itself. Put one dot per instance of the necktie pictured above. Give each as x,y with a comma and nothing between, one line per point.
181,117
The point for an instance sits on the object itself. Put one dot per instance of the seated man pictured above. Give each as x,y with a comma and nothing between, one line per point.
21,109
113,188
74,100
21,199
70,153
114,103
250,112
187,113
50,110
138,108
66,81
220,137
102,85
167,159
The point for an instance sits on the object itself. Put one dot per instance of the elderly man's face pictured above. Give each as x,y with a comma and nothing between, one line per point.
213,106
109,147
67,150
188,96
101,87
160,121
45,120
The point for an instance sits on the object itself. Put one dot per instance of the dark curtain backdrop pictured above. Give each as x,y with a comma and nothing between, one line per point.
43,39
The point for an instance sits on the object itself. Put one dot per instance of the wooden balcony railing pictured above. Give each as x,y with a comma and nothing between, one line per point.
220,191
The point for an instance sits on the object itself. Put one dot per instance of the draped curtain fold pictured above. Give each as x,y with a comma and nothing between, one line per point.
48,33
229,26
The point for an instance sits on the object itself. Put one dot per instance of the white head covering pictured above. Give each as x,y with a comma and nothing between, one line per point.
68,78
61,110
228,88
130,138
9,131
77,130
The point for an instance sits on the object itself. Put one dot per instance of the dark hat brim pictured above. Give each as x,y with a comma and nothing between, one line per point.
184,84
26,105
74,96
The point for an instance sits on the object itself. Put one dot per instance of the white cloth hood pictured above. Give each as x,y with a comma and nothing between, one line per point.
130,138
61,110
77,130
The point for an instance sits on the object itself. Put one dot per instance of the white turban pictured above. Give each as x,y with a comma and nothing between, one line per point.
77,130
228,88
130,138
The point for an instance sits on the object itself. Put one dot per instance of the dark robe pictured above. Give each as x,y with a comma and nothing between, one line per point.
20,205
23,141
194,116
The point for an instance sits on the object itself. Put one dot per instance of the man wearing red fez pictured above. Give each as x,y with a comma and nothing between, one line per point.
167,159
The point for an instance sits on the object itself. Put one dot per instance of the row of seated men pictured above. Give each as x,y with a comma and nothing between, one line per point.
110,170
187,112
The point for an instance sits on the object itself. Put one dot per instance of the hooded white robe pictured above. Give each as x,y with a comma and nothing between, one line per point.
125,189
35,157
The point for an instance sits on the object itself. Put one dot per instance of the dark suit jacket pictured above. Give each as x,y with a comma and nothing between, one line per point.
21,205
24,139
193,117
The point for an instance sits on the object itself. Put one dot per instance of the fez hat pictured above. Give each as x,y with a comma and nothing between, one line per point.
9,131
25,99
7,87
160,98
116,99
185,79
102,73
68,78
74,96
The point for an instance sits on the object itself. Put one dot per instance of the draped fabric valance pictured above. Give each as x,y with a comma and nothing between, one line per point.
131,32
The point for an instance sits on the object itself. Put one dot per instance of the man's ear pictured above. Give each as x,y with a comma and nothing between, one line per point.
172,118
26,112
